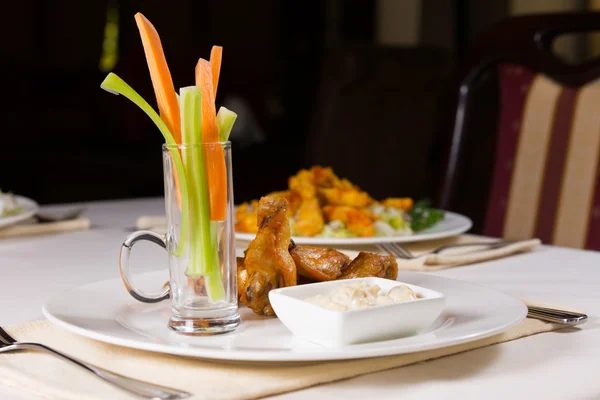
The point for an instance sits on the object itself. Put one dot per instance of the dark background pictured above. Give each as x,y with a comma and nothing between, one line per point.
322,80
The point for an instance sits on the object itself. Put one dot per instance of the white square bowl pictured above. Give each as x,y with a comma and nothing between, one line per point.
334,328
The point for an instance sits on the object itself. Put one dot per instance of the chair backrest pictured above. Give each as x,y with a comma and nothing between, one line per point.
544,175
379,115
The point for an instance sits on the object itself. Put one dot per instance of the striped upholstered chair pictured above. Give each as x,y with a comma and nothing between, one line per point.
544,179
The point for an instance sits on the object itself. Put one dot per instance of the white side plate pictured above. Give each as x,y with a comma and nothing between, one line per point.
30,208
104,311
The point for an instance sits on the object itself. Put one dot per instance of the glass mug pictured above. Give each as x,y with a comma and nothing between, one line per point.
200,305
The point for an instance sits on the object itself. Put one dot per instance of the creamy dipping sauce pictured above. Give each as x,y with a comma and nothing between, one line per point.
353,296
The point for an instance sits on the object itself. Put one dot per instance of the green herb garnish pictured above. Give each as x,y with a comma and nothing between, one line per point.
423,216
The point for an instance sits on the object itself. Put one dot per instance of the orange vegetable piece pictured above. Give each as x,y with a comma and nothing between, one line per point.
204,79
358,221
216,55
164,90
160,75
403,203
214,157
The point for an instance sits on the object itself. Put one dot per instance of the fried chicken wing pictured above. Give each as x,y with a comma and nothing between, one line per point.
246,213
242,279
319,264
359,222
369,264
293,198
305,281
268,262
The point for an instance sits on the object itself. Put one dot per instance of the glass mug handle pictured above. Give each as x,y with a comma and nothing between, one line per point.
126,272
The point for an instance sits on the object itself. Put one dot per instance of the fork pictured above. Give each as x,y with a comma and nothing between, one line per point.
557,316
140,388
400,251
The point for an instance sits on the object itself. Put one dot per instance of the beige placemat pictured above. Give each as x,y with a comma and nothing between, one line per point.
33,228
50,378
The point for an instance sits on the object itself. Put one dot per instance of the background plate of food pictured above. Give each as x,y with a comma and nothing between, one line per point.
327,210
15,209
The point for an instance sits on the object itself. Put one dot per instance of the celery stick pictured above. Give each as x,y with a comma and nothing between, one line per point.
213,278
203,254
189,126
115,85
190,99
225,121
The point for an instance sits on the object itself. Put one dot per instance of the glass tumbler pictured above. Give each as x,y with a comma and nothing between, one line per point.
201,249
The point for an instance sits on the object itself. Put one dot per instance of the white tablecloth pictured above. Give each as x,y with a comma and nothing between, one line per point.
556,365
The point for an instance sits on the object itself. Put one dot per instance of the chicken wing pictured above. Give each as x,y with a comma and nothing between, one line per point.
319,264
268,262
242,278
369,264
293,199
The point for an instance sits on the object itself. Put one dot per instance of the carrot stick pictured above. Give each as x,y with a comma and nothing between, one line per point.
161,76
204,79
166,97
214,157
216,55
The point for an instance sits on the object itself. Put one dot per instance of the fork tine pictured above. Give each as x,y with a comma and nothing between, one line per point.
393,251
382,248
5,337
401,249
396,252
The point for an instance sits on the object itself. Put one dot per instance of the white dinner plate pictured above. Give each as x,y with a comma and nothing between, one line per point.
30,207
105,311
452,225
